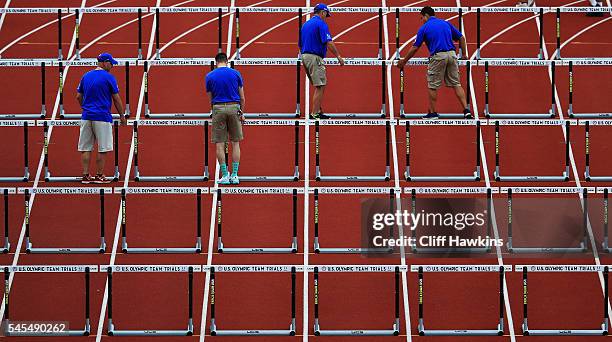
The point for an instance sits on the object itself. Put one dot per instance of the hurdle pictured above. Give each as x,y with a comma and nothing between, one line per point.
298,87
387,174
296,159
451,191
101,248
172,62
584,10
503,62
603,329
587,168
57,328
566,173
570,109
175,10
165,191
200,178
349,191
581,248
475,177
394,331
29,63
221,248
101,10
92,63
533,10
606,243
26,168
422,269
5,195
399,10
214,331
424,62
189,269
73,123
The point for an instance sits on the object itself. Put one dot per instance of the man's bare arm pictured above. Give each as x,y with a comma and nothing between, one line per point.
242,98
79,98
119,106
413,50
331,46
463,45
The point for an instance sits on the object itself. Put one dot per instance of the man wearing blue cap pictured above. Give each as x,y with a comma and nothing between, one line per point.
316,39
96,92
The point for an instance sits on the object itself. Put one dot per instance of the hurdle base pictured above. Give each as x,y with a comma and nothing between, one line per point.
161,250
150,332
65,250
52,179
40,116
381,115
257,250
7,245
139,178
580,249
261,332
603,331
83,332
348,250
178,115
589,178
474,178
357,332
442,115
78,116
573,115
457,250
519,116
562,178
606,246
384,178
272,115
293,178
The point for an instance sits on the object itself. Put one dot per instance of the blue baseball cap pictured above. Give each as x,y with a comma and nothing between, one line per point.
322,7
107,57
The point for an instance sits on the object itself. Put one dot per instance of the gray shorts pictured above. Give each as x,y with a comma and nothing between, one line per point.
315,69
443,66
226,123
95,131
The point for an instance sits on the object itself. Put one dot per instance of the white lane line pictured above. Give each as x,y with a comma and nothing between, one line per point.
6,5
569,40
43,26
213,209
38,173
306,236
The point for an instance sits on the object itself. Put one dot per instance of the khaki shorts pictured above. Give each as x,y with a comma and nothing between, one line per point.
315,69
226,121
443,65
95,131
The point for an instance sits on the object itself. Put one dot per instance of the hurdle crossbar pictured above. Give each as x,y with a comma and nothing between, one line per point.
5,195
581,248
43,110
349,191
424,62
93,62
101,248
296,159
140,178
497,62
587,134
73,123
501,269
63,330
564,177
221,248
606,243
387,174
214,331
189,269
570,109
601,331
532,10
475,177
394,331
460,191
26,168
166,191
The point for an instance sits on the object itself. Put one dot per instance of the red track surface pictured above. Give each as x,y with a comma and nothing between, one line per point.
256,300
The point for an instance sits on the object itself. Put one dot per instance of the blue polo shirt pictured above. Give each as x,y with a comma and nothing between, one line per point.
223,84
438,35
97,87
315,35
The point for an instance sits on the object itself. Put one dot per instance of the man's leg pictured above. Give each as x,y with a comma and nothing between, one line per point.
100,161
235,157
317,99
221,158
461,96
85,158
433,98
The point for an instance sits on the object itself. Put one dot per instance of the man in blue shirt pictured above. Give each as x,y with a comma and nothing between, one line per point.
96,91
439,35
224,87
316,39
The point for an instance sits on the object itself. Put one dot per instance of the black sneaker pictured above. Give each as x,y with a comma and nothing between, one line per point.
467,114
319,115
431,116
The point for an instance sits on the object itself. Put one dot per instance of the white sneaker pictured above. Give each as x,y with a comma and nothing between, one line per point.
234,179
225,180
